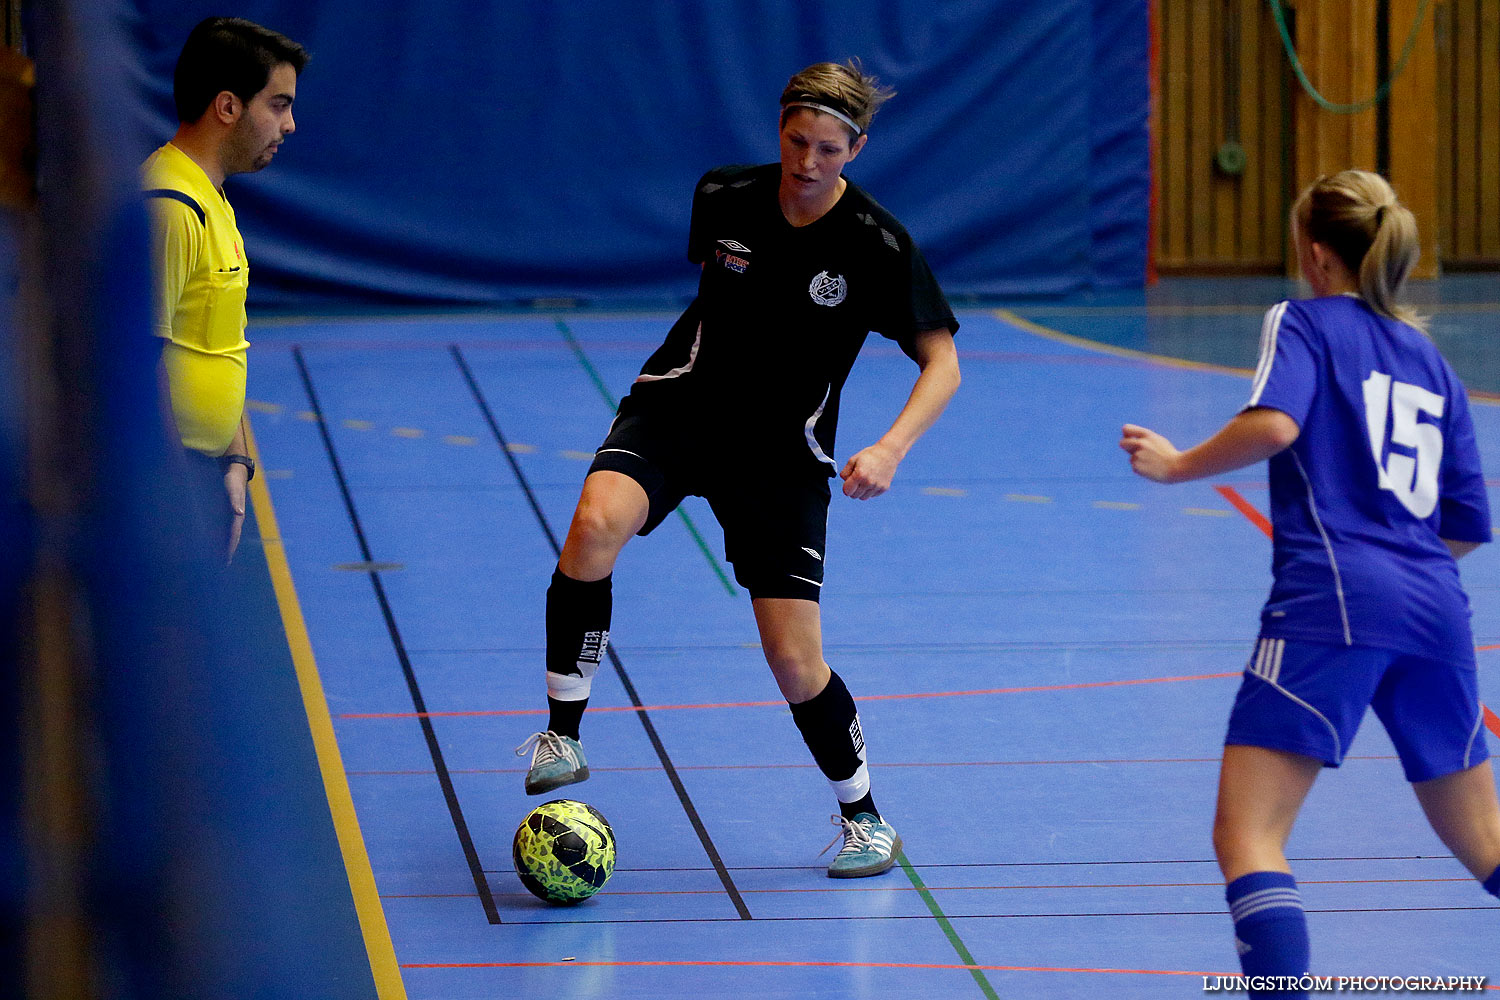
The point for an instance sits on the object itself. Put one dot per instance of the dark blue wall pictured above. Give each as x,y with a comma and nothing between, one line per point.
484,152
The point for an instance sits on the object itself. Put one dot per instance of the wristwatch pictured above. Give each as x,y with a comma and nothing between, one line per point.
245,460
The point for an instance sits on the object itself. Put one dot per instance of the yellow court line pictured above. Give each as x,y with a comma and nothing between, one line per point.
1005,315
372,925
1021,323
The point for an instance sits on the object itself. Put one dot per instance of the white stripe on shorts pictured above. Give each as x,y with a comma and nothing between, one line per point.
1267,661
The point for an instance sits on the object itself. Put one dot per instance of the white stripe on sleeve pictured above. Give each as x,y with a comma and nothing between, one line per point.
1269,328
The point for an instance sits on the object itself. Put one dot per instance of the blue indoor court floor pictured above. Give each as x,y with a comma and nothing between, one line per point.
1044,648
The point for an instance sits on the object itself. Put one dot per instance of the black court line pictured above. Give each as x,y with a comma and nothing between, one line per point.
970,865
440,766
614,656
864,918
1044,864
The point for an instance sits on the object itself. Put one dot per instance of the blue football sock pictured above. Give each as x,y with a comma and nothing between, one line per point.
1492,884
1270,927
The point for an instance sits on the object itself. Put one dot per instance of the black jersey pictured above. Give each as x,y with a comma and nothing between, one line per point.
759,358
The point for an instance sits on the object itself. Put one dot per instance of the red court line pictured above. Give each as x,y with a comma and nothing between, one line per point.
801,965
782,704
813,965
1245,507
1491,720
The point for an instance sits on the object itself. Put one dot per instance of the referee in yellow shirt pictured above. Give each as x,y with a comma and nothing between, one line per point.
234,86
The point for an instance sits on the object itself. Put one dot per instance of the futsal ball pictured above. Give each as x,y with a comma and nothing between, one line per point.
564,851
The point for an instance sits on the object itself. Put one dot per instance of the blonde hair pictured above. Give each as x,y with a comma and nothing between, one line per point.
1356,214
846,88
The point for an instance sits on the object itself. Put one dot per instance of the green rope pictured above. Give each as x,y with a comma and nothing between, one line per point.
1345,109
687,521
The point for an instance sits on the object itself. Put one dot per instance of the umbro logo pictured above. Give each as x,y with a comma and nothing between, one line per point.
734,256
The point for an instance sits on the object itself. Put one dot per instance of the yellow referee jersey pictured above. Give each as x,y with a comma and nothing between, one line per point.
201,280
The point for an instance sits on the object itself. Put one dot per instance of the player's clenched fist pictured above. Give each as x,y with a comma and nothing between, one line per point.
869,472
1151,455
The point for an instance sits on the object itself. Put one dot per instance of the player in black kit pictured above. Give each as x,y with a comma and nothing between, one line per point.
739,406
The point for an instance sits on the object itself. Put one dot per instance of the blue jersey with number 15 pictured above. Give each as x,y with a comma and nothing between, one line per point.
1385,468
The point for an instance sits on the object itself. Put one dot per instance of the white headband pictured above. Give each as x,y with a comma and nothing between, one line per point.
827,111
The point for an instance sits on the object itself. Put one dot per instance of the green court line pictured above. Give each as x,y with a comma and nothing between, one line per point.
952,935
692,528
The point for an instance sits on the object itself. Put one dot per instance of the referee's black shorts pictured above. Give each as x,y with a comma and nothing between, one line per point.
775,525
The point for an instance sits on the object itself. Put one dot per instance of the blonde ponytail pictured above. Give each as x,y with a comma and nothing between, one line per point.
1356,215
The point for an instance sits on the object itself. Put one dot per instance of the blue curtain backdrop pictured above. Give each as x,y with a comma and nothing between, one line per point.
205,852
480,153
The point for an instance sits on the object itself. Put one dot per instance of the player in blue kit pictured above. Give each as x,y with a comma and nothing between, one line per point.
739,405
1376,490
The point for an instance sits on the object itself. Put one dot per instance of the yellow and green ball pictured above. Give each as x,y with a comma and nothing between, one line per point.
564,851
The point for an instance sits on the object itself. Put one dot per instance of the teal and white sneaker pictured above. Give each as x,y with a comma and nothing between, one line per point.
870,847
555,761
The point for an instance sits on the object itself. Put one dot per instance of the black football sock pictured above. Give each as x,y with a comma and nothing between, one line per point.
829,724
849,810
578,614
563,717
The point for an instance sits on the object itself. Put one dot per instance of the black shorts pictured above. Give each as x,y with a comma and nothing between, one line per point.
775,525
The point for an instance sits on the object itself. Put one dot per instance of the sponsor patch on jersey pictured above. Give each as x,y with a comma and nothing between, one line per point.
733,255
828,290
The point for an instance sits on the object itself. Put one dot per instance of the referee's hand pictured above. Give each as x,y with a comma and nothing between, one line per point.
869,472
235,480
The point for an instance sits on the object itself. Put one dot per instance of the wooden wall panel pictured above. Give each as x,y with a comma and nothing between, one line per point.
1413,146
1488,127
1221,79
1464,152
1224,32
1333,40
1442,25
1274,94
1468,113
1248,205
1443,150
1201,131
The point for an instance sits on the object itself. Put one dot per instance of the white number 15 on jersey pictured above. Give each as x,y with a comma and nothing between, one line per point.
1413,480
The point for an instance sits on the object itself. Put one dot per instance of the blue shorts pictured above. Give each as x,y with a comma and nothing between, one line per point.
1309,698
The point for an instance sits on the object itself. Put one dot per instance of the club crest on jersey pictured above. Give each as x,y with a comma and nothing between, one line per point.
828,290
733,255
